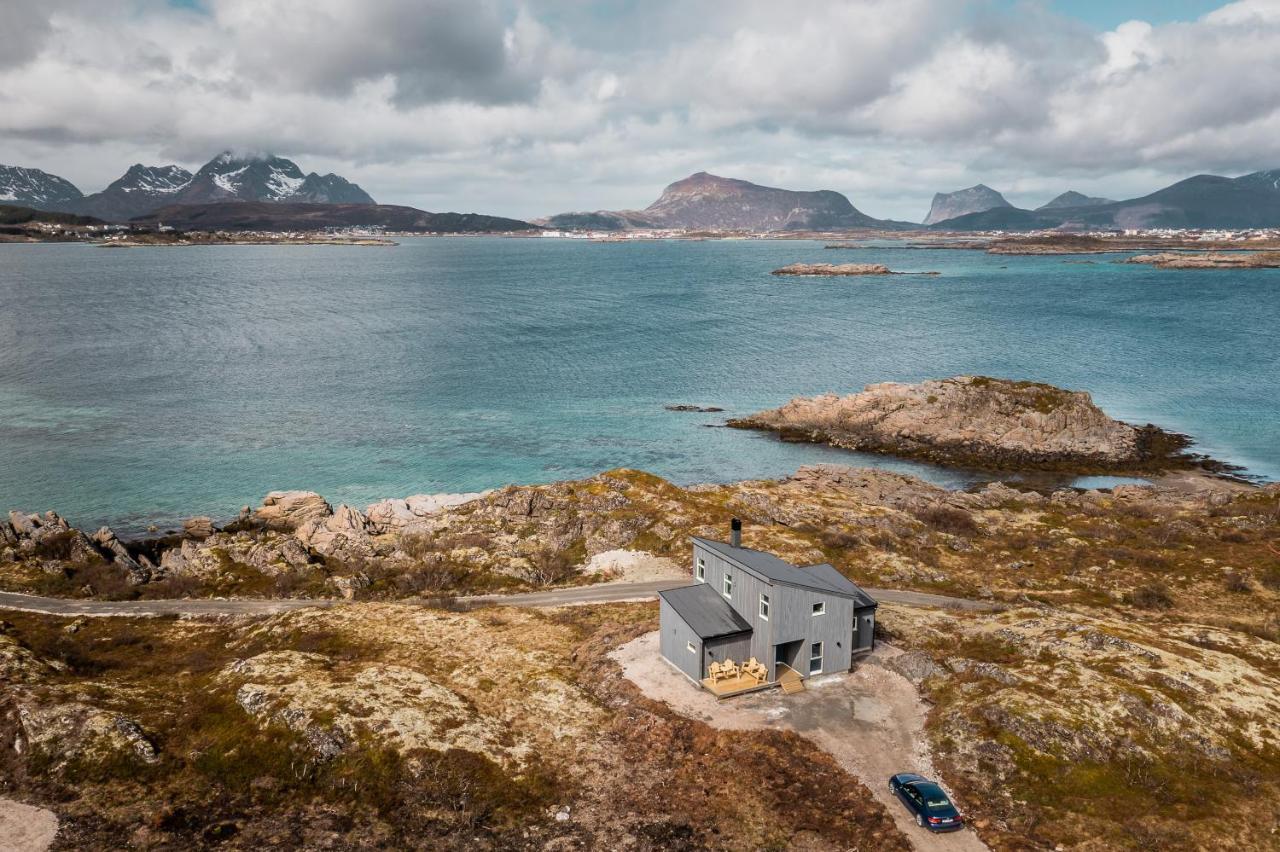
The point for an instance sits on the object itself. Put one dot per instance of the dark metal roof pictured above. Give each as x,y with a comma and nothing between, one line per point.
828,573
707,613
821,578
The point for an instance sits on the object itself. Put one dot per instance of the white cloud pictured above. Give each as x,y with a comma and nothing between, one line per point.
526,109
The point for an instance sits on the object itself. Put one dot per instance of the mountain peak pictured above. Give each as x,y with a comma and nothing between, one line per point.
1071,198
706,201
975,199
35,187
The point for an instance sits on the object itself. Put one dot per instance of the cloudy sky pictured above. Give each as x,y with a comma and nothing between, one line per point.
531,108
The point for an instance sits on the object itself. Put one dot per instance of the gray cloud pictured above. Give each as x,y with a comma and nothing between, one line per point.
433,51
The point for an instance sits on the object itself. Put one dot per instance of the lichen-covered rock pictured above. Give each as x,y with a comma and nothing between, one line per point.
973,420
332,709
915,666
74,730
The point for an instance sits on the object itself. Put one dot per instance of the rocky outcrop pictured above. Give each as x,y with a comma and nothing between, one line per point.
269,553
975,422
397,514
345,533
333,709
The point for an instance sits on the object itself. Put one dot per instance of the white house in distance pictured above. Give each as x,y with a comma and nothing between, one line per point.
744,604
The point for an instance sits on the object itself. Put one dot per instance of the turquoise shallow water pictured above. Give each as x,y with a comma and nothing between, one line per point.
146,385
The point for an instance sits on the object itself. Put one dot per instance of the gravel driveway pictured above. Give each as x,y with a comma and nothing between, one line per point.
870,720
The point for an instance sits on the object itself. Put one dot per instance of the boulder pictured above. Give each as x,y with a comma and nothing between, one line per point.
107,542
288,510
915,666
200,527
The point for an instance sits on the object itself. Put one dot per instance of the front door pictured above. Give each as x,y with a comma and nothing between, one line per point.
788,654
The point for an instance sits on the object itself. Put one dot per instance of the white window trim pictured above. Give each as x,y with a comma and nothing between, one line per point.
820,608
821,657
689,647
764,607
726,588
701,571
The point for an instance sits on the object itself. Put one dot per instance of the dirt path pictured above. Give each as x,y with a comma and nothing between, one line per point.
25,828
598,593
871,721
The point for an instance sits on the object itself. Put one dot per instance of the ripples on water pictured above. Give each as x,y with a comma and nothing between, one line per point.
146,385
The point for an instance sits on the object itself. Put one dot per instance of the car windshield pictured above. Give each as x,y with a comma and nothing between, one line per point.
934,798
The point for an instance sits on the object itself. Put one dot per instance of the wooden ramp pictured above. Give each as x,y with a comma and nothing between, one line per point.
790,680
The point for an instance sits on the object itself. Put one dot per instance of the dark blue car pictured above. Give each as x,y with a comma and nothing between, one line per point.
932,809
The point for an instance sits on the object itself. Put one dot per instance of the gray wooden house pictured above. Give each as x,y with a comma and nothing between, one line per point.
743,603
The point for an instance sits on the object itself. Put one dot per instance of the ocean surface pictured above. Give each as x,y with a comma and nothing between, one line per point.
141,386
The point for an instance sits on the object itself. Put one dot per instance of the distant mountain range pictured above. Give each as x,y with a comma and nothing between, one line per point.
705,201
266,193
1203,201
701,201
144,189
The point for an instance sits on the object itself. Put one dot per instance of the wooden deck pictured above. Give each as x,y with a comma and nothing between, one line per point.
735,685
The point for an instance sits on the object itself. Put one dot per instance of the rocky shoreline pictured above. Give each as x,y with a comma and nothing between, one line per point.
981,423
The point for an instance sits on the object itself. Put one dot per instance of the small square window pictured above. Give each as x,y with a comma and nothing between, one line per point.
820,608
728,585
764,607
691,649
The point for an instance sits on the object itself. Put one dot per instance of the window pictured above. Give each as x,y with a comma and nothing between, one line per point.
728,584
815,658
691,649
820,608
702,570
764,606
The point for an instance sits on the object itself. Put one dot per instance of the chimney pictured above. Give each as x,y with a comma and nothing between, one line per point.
735,533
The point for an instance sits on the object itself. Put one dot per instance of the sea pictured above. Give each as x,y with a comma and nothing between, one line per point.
141,386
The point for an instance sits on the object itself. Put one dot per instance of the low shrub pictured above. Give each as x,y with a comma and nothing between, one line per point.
948,520
1150,596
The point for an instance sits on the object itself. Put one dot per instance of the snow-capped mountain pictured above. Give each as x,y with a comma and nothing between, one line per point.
230,178
137,192
34,188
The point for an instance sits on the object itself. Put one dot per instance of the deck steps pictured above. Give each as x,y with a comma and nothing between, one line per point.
790,680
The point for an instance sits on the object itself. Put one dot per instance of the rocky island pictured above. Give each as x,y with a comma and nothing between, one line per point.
975,421
836,269
1210,260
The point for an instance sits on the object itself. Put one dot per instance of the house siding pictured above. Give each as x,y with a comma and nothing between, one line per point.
672,642
736,648
864,628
